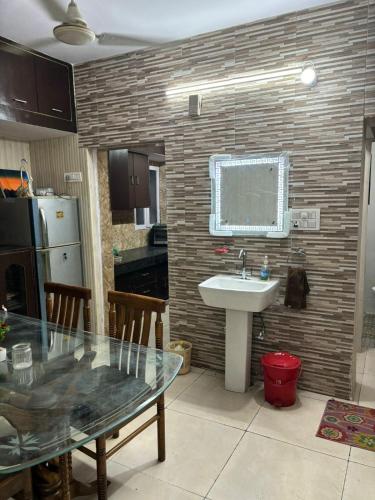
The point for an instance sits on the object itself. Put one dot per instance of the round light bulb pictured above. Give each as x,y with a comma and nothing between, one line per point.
308,75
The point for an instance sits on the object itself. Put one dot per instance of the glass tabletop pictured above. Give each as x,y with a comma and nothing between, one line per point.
79,386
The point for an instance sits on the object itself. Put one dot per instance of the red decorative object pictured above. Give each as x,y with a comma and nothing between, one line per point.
281,371
221,250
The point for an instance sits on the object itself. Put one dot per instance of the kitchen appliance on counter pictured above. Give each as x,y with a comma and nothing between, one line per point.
158,235
44,191
50,224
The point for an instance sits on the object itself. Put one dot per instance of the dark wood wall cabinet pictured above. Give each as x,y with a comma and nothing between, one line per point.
35,88
129,179
18,281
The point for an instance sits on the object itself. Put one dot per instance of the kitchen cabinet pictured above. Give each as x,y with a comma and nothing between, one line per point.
141,179
129,179
35,89
143,271
18,281
151,281
53,88
17,78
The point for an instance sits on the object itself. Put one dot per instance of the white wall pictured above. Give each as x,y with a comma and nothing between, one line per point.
12,152
50,159
370,244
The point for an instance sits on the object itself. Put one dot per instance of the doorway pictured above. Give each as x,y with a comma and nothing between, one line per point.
368,333
363,366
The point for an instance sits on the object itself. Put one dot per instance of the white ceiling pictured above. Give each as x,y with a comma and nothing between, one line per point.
28,21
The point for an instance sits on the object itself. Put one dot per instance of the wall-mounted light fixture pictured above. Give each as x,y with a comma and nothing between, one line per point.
261,77
195,105
308,75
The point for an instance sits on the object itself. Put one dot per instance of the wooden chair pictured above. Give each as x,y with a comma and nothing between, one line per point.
63,303
130,319
16,485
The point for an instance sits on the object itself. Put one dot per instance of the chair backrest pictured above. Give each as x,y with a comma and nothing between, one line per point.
130,317
63,304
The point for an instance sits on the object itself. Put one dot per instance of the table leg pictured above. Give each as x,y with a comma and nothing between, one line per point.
65,476
70,466
161,428
101,468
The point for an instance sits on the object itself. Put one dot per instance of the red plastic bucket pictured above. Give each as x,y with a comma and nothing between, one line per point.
281,371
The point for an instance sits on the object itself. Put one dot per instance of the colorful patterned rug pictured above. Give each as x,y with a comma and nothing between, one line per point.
348,424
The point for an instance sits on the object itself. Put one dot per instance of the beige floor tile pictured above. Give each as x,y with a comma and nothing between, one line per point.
367,394
319,397
359,483
129,428
207,398
364,457
358,384
360,361
84,467
313,395
370,362
358,387
297,425
214,373
265,469
182,382
178,385
128,484
196,452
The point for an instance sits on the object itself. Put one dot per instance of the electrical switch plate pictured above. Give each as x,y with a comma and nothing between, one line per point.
305,219
73,177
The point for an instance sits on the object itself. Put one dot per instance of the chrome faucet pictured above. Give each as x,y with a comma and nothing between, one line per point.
242,255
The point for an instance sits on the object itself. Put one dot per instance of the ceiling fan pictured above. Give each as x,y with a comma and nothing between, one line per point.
74,30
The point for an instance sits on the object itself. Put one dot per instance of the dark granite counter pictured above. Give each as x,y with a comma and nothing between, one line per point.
141,258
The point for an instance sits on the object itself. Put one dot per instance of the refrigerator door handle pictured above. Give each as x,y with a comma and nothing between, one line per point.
43,219
47,265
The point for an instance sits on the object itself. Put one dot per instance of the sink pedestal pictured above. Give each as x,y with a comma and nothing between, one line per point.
240,298
238,330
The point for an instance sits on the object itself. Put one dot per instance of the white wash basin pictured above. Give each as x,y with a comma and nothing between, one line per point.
240,298
232,292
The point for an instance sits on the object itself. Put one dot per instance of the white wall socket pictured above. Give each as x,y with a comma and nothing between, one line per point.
73,177
305,219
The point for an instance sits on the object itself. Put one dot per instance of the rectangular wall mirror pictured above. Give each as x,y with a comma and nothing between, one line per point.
249,195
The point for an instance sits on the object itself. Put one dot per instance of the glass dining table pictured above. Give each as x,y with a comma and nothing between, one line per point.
76,387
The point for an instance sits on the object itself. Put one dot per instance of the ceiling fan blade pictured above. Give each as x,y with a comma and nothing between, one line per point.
118,39
54,10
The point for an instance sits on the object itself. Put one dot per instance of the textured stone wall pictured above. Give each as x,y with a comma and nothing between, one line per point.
122,100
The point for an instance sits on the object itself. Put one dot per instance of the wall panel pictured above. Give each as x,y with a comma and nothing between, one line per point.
51,159
12,152
321,128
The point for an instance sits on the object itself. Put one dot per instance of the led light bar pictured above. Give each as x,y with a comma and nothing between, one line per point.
188,89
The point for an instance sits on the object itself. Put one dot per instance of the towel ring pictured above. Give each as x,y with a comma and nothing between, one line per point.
296,252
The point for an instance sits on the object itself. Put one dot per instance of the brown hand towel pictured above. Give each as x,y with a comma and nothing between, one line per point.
297,287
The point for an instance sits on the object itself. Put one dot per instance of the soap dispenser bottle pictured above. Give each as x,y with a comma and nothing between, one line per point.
265,270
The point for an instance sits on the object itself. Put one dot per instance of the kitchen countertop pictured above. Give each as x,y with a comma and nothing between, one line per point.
140,258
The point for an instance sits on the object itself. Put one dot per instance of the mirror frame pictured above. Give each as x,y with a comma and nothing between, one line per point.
281,160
